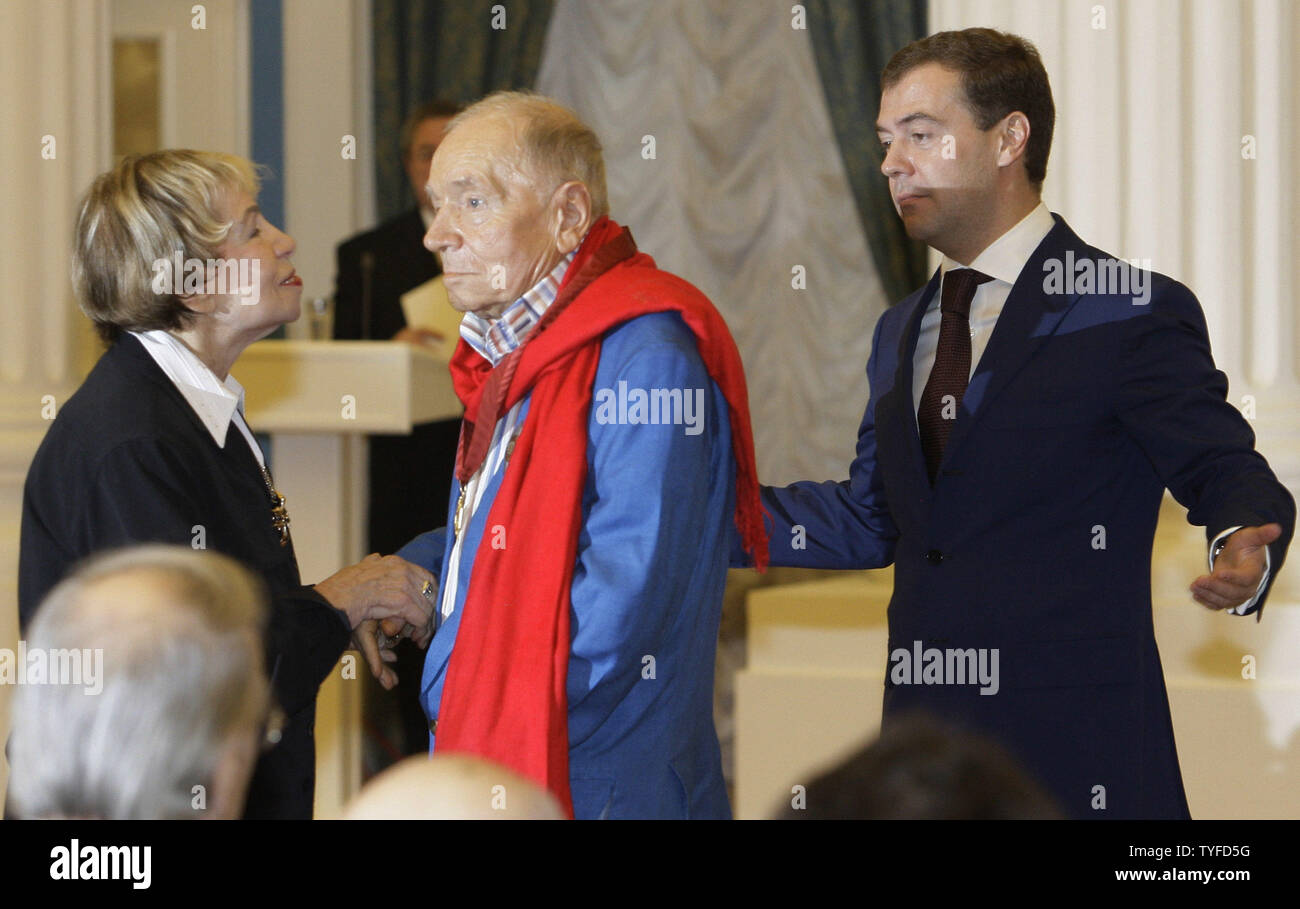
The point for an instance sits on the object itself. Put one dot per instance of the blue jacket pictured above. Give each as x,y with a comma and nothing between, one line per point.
647,590
1035,539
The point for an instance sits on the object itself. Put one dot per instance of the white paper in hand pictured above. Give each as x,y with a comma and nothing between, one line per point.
427,306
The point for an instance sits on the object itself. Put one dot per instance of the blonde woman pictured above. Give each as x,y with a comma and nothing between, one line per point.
180,271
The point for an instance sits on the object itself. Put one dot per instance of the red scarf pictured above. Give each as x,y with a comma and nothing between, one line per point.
504,695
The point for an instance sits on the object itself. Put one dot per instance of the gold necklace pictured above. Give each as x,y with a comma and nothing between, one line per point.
460,509
460,502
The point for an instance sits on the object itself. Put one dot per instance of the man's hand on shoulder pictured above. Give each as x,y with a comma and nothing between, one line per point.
1238,569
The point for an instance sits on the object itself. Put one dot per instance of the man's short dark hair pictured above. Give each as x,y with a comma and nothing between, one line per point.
1000,73
924,769
436,109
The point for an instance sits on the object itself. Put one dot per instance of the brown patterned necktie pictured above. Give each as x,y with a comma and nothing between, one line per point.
947,383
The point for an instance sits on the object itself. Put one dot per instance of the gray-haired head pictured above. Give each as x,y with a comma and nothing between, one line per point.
555,145
452,787
180,699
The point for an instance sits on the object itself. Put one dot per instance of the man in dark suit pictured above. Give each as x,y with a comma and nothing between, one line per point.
1029,406
409,475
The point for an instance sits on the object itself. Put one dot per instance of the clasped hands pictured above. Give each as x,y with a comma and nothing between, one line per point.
1238,568
385,598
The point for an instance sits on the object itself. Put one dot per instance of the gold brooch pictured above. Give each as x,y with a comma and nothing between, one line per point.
279,513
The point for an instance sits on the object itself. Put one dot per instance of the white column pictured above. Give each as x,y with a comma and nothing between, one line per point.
1154,111
1272,265
1217,88
327,97
1155,99
54,82
1270,178
326,534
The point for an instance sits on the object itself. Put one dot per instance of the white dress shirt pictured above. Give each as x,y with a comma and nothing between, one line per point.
217,404
1003,260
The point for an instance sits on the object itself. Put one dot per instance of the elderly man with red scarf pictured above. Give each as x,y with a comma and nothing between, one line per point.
605,457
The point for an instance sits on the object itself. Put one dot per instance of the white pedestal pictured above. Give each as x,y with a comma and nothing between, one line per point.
318,399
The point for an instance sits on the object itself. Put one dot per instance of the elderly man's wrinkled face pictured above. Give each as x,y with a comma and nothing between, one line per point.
495,228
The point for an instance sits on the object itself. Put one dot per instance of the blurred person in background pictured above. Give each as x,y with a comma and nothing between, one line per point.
923,769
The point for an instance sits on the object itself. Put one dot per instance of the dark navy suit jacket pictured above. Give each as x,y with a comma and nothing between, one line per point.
1083,409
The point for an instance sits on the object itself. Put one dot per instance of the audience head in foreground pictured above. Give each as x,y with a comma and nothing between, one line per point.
452,787
422,132
172,726
922,769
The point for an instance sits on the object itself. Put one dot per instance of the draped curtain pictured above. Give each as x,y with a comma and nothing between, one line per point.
722,157
852,42
458,50
740,148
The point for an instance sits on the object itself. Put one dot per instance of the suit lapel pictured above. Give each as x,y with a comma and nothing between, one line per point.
1029,317
905,417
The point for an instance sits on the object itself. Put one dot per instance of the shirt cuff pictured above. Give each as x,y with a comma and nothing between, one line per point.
1247,607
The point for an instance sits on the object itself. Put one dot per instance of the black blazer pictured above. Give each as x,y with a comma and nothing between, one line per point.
398,263
409,475
128,461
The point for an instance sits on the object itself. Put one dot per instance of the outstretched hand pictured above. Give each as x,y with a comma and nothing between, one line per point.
1238,569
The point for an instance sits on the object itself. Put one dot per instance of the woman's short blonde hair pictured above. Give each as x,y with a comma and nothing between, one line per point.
144,210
